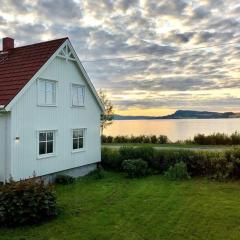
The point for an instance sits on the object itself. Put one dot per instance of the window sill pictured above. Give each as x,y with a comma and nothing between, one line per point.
42,105
79,150
76,106
46,156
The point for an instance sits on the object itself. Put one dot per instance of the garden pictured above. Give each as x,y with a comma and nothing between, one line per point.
142,193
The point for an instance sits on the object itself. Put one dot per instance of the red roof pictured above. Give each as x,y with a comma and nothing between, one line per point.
20,64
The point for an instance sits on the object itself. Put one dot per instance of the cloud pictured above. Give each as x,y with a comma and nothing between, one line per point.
142,48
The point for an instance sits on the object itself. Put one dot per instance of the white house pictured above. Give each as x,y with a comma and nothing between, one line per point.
49,112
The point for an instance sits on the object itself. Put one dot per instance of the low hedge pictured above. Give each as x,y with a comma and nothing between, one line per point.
154,139
215,165
26,202
135,168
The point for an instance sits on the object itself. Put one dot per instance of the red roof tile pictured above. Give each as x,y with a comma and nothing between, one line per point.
20,64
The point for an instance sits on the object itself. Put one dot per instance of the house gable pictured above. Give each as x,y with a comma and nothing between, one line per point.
67,52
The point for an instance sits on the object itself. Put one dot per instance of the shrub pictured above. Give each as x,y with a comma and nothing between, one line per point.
64,179
177,172
111,159
145,153
217,139
135,168
215,165
26,202
136,139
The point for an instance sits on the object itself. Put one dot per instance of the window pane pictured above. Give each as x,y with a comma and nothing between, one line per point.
50,136
42,148
49,147
49,93
80,96
41,92
80,142
75,143
75,133
80,133
75,96
42,137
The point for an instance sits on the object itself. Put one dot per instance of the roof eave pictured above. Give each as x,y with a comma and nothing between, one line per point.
2,108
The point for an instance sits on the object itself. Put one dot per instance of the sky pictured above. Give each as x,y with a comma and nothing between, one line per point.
150,57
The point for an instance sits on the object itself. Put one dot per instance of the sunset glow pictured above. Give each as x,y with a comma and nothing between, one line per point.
150,57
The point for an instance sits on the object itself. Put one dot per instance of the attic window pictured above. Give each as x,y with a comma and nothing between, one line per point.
46,92
78,95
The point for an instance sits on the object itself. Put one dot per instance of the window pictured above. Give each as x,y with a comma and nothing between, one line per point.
78,139
46,92
78,95
46,143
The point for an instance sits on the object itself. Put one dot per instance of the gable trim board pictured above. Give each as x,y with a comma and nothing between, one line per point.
38,73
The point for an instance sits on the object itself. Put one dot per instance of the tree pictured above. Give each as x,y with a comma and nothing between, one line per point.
107,115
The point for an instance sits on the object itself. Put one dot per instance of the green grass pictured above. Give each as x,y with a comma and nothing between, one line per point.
169,145
150,208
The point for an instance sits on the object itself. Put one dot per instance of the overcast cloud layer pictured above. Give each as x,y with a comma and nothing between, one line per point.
138,50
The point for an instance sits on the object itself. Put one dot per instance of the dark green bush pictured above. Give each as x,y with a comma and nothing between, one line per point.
135,168
111,159
145,153
177,172
217,139
215,165
26,202
64,179
136,139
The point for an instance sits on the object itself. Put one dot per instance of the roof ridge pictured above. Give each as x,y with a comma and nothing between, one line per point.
28,45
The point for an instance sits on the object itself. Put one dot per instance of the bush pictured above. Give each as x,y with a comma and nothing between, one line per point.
135,168
111,159
64,179
136,139
217,139
145,153
26,202
215,165
178,172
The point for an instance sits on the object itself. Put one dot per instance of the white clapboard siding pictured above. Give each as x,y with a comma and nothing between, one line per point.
27,117
4,147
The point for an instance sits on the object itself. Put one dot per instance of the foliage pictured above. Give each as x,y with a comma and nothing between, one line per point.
64,179
26,202
177,172
111,159
107,116
201,139
135,168
220,165
97,173
217,139
153,139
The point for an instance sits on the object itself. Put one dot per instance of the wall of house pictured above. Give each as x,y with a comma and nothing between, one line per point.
4,146
28,118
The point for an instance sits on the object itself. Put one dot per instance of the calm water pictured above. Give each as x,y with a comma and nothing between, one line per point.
175,129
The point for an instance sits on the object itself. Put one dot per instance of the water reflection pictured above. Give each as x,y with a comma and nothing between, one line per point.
175,129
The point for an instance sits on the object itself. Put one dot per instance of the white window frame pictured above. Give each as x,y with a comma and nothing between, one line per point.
46,155
73,85
45,104
84,140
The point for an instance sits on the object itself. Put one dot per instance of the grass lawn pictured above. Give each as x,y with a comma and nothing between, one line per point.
151,208
169,145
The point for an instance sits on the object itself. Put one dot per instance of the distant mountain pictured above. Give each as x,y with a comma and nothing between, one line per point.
183,114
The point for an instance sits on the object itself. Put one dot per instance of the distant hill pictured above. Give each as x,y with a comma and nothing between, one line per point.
183,114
